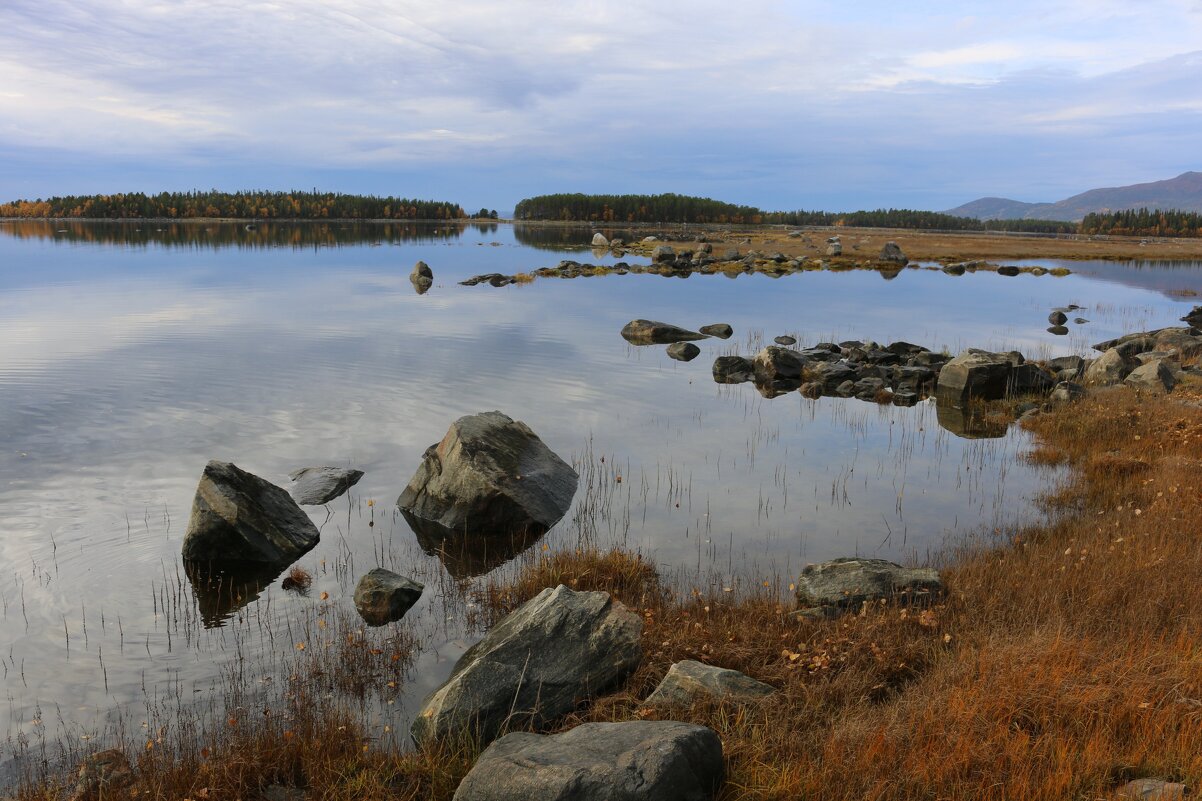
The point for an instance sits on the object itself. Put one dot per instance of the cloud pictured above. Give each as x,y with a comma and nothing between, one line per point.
576,95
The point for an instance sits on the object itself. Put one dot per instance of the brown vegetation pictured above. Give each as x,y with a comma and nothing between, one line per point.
1064,659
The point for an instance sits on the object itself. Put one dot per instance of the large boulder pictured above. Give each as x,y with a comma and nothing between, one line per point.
651,332
689,681
599,240
849,581
775,363
554,651
1155,376
976,374
382,596
240,519
642,760
662,253
490,473
1109,368
893,252
1180,342
313,486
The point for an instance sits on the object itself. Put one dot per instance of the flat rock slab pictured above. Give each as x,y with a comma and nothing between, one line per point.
651,332
313,486
633,761
848,582
689,681
382,596
490,473
554,651
239,518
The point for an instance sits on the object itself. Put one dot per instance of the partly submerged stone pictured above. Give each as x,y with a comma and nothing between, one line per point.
490,474
643,760
599,240
555,650
733,370
719,330
313,486
975,374
848,582
688,681
239,518
683,351
382,596
652,332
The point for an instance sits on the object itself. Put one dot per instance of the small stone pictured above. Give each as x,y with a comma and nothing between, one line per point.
383,596
683,351
719,330
785,340
689,680
1057,318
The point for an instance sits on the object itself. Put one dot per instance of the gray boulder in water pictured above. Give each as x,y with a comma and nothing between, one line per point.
641,760
238,517
683,351
490,473
313,486
599,240
976,374
555,650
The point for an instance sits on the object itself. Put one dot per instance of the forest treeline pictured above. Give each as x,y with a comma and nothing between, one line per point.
686,209
242,205
1144,222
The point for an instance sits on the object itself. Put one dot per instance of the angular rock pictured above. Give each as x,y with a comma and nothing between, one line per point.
892,252
1074,363
1179,342
382,596
683,351
313,486
651,332
662,253
599,240
555,650
421,270
733,370
719,330
832,374
1110,368
975,374
775,363
238,518
490,474
834,247
643,760
1155,376
1028,378
905,397
689,681
1067,392
849,581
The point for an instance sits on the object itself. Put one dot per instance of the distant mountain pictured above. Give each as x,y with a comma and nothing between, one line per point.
1183,193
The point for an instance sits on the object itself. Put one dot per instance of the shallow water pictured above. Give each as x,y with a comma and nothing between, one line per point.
130,356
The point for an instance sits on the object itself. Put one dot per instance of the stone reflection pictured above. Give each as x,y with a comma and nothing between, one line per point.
222,591
966,420
466,553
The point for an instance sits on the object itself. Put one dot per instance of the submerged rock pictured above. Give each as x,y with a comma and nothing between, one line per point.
238,517
313,486
688,681
642,760
490,474
651,332
555,650
382,596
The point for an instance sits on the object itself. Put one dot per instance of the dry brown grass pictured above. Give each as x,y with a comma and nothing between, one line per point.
1064,659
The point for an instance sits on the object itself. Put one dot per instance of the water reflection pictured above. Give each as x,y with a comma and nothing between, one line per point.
221,592
466,554
261,235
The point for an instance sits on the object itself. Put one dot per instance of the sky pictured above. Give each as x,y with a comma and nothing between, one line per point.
781,105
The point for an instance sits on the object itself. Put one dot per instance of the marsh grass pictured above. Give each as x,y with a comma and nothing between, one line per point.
1064,658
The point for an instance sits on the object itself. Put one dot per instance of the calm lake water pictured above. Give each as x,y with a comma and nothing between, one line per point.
130,355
